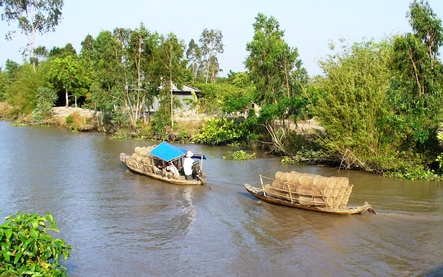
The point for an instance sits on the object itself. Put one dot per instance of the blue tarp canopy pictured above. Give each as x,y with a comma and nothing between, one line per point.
169,152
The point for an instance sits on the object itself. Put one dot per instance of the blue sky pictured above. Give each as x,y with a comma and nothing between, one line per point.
309,25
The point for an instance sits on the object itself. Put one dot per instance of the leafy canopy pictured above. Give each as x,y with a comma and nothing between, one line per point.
274,67
27,248
416,91
32,17
350,99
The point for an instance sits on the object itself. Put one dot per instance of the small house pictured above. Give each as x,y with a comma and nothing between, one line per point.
186,96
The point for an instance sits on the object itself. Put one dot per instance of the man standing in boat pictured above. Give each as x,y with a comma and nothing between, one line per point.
187,165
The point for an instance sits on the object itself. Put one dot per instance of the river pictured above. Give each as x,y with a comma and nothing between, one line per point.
123,224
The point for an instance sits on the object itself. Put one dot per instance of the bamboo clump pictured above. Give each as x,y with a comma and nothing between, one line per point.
310,189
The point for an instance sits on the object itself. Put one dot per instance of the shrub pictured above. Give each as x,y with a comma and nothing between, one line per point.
239,155
76,122
45,100
220,131
28,250
5,109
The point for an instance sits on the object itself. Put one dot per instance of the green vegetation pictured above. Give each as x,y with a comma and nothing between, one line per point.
45,101
279,80
220,131
350,102
379,103
27,249
239,155
32,17
306,156
76,122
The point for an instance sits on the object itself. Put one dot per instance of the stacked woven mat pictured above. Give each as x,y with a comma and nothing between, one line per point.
141,154
141,159
310,189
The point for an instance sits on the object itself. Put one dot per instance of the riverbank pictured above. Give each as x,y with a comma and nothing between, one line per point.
64,112
303,127
187,125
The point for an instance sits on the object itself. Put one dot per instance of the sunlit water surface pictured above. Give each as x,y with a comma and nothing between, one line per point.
123,224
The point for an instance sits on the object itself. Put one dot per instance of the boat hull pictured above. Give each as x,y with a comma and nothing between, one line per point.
259,193
143,169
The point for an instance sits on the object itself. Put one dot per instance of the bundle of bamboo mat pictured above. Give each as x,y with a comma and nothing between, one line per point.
141,159
310,189
141,154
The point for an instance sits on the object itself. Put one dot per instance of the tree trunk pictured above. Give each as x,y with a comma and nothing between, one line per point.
208,63
172,112
144,109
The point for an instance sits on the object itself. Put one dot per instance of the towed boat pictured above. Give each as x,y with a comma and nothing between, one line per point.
164,162
308,192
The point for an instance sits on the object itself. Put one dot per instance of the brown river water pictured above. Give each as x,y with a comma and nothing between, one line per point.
123,224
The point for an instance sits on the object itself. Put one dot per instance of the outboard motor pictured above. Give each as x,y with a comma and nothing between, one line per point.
196,172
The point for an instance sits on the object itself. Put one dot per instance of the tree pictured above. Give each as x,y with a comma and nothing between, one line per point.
68,74
22,93
193,54
40,54
3,85
140,82
32,16
125,79
238,94
214,68
62,52
416,93
106,55
427,26
278,76
350,103
172,68
211,44
7,78
11,67
46,98
87,49
274,67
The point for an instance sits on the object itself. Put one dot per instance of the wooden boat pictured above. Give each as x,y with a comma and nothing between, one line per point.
305,194
152,162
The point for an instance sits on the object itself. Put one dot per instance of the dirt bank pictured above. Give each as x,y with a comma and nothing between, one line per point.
63,112
305,126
